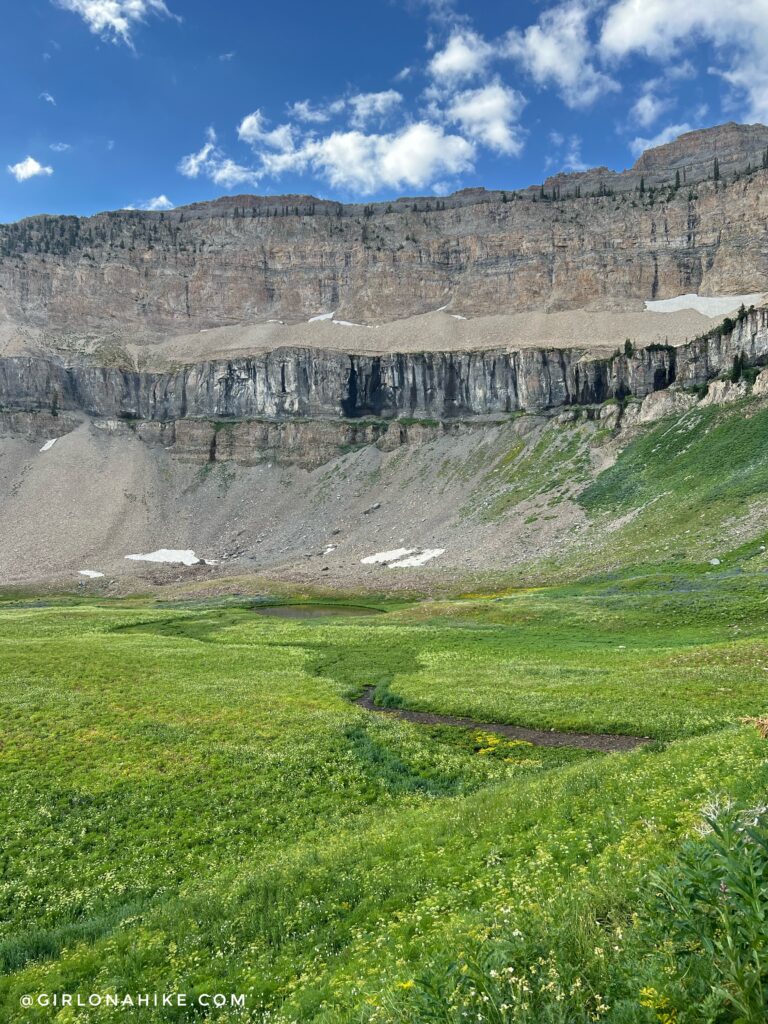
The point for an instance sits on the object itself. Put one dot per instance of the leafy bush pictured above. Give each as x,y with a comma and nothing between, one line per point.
708,918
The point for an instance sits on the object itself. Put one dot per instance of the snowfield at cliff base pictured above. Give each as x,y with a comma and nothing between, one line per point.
709,305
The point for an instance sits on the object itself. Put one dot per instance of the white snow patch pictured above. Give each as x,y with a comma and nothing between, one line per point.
349,323
49,444
211,561
709,305
382,557
403,558
322,316
417,560
458,316
329,549
90,574
171,555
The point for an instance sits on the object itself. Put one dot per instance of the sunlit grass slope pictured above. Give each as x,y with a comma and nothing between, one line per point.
192,803
687,483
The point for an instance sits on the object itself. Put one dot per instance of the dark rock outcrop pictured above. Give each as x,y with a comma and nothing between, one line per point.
289,384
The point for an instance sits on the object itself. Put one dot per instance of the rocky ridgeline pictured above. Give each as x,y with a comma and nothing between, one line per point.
729,150
664,228
290,384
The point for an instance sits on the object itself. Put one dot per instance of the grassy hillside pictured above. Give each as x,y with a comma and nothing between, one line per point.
689,484
584,495
192,803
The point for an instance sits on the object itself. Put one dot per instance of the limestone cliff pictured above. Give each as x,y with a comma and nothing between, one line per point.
578,241
311,384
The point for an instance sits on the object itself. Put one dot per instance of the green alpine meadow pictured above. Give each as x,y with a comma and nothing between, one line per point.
194,802
384,512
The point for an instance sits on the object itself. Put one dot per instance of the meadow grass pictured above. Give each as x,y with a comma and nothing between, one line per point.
192,803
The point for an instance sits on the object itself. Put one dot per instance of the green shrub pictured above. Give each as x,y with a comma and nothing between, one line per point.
708,915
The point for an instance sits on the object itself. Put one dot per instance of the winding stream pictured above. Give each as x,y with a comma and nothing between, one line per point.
605,742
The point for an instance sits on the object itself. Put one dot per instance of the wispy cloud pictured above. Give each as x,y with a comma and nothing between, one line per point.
59,147
161,202
557,51
48,98
565,154
639,145
115,19
649,106
211,162
360,108
372,106
737,32
29,168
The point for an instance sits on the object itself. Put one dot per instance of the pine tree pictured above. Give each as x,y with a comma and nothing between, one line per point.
716,170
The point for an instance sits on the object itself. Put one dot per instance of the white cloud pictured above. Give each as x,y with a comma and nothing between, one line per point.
114,19
28,168
566,155
679,71
362,108
750,77
557,51
192,165
660,28
465,55
368,106
417,156
48,98
227,56
403,74
490,115
414,157
253,130
303,110
649,107
573,160
228,173
213,163
161,202
653,27
639,145
59,147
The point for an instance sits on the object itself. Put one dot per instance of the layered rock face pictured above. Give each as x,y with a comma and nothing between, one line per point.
691,158
309,384
248,259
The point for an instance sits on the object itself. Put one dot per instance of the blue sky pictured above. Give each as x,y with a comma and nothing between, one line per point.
152,103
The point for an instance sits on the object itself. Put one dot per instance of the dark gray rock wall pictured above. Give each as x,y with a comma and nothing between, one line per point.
294,383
